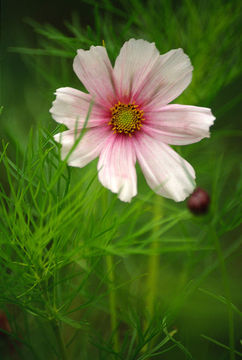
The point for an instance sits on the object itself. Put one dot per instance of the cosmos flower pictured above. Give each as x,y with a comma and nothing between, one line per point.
131,120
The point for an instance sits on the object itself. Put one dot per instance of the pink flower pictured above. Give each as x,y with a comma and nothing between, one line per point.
130,118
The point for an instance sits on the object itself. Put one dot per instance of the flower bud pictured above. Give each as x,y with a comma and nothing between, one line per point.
198,202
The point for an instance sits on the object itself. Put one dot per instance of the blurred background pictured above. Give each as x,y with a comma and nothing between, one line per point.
38,43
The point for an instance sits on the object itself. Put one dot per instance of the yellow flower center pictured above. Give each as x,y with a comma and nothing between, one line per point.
126,118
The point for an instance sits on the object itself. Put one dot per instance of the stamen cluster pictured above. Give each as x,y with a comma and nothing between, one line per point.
126,118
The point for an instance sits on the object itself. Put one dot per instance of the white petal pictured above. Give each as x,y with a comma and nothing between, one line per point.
165,171
71,107
116,167
179,124
95,71
168,78
87,149
132,65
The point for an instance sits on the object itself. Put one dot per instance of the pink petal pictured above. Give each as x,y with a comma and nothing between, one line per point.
116,167
179,124
168,78
87,149
165,171
132,65
95,71
71,108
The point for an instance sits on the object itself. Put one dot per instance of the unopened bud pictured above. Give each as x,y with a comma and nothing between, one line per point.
198,202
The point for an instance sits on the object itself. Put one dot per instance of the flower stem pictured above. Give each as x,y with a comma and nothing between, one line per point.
59,338
228,294
153,267
152,280
112,302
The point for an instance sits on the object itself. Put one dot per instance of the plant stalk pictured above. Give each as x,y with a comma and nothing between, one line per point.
60,341
112,302
228,294
153,268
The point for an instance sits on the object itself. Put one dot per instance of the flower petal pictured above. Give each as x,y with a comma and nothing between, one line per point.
168,78
87,149
179,124
71,107
116,167
94,69
165,171
132,65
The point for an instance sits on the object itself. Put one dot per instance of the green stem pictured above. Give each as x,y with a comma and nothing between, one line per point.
153,268
112,302
60,341
153,264
228,295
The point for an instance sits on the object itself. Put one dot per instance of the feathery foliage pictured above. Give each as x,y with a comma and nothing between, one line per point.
75,262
